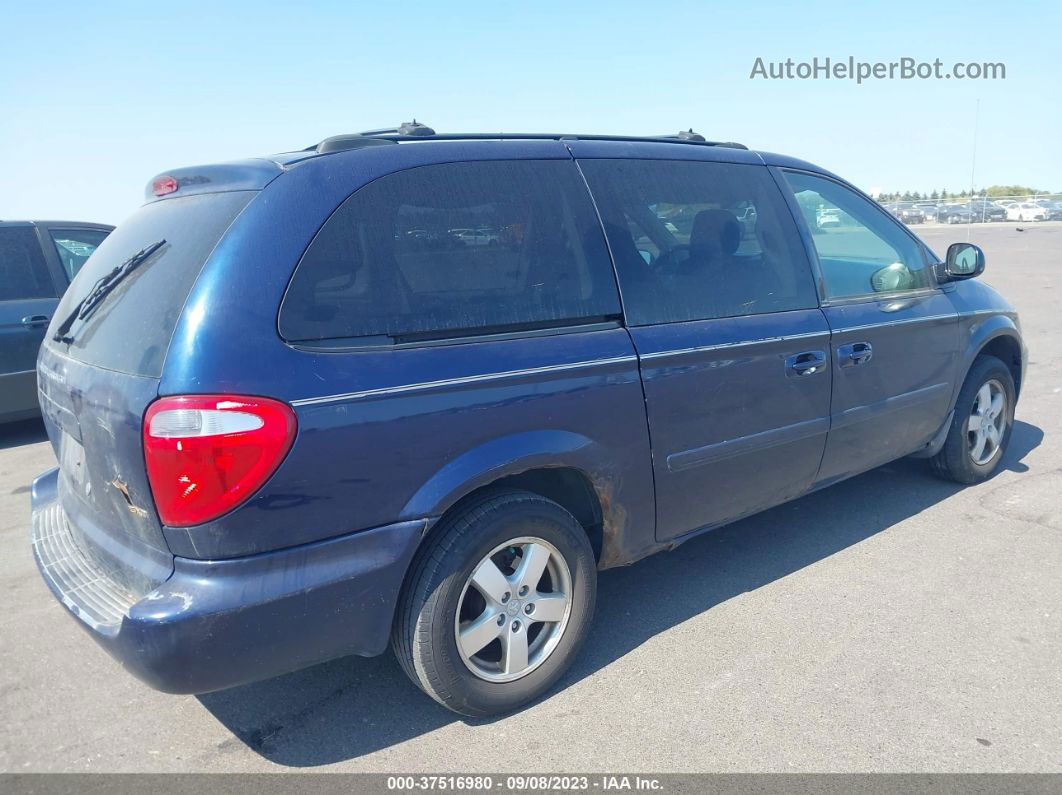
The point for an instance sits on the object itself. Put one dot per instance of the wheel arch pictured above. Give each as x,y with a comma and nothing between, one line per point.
1006,348
571,469
998,335
567,486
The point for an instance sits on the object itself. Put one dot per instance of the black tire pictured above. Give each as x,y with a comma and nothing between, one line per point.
424,637
954,461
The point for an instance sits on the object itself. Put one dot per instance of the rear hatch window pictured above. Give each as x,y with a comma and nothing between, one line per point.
130,328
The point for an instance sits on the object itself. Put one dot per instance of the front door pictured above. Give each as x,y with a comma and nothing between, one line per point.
894,333
734,352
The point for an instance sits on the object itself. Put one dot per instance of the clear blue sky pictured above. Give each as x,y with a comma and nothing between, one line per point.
95,98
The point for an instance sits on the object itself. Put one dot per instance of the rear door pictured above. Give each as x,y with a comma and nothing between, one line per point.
720,301
449,324
27,301
895,333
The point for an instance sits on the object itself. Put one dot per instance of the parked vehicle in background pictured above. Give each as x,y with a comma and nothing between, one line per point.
928,208
475,237
1026,211
288,430
983,211
954,214
827,217
907,212
37,261
1053,208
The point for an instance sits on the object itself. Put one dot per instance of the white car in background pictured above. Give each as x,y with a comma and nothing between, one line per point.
1052,208
1026,211
827,216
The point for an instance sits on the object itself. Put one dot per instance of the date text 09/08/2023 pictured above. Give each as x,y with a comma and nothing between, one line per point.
524,783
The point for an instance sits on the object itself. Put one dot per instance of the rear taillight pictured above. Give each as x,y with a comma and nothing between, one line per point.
208,453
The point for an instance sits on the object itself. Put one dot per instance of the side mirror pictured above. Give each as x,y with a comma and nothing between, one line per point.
964,261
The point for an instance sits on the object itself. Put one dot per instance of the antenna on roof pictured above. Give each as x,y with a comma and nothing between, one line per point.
411,128
415,128
690,135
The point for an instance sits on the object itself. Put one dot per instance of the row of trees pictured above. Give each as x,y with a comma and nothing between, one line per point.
945,195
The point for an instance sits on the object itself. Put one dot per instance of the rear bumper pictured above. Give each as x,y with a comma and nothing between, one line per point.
217,624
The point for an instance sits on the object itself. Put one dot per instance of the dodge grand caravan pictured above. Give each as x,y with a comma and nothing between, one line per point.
412,388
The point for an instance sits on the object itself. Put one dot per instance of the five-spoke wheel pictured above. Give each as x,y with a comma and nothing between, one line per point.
980,427
987,422
513,610
497,603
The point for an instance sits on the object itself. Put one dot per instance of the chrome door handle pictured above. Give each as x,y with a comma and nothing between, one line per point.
806,363
854,354
33,321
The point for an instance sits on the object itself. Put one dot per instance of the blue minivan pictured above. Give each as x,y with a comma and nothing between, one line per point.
416,389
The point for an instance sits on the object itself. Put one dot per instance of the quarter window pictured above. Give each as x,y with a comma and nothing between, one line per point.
697,240
74,246
454,249
862,250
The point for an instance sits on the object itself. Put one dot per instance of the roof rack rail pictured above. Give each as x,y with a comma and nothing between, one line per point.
416,130
336,143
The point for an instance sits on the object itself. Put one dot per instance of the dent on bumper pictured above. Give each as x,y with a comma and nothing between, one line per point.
217,624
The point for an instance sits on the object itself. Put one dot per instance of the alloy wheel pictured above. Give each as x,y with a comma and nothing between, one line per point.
513,609
987,423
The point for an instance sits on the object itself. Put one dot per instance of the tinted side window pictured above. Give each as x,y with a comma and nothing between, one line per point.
451,249
23,273
861,250
74,246
695,240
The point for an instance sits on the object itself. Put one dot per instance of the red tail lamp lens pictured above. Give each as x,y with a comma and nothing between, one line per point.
164,185
206,454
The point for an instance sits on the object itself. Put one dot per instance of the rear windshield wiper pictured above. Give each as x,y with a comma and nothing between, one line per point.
101,289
